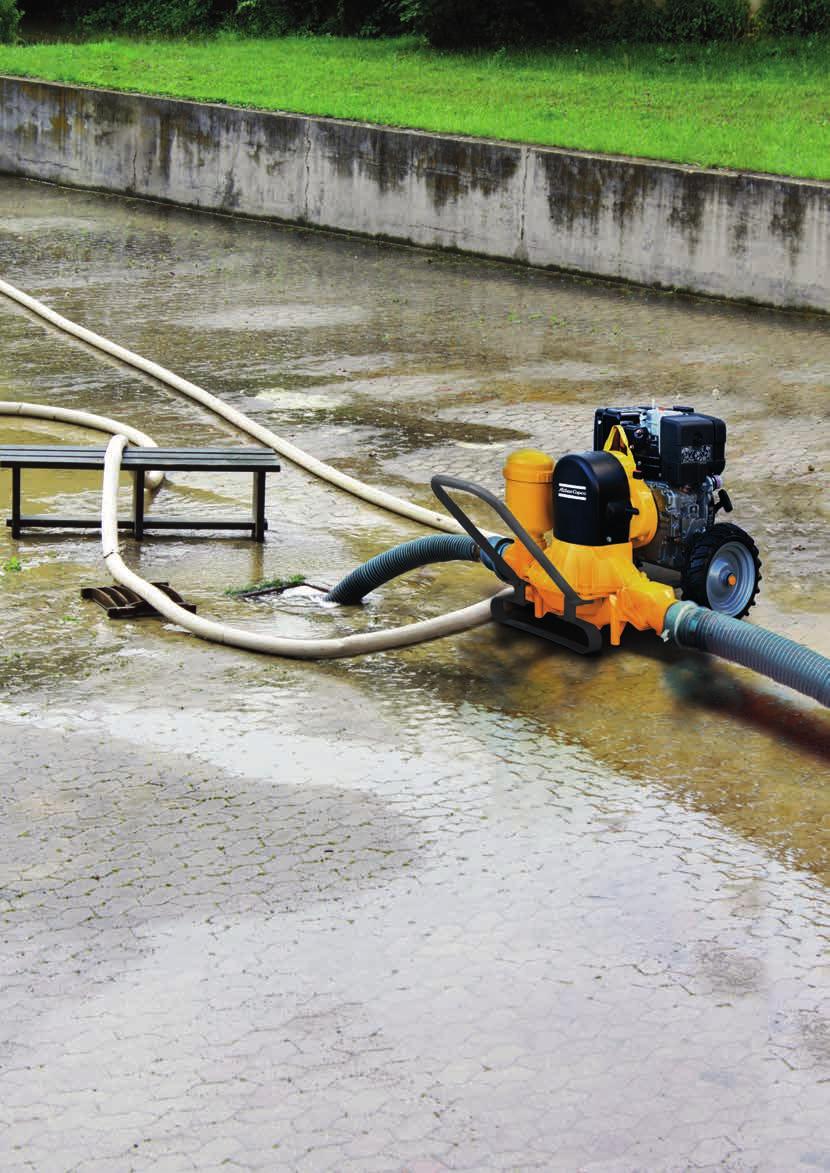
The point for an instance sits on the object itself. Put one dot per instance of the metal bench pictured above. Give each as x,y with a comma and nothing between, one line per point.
139,461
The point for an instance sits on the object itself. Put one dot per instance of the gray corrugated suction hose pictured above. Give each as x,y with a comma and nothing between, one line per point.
301,649
317,468
399,560
772,655
86,419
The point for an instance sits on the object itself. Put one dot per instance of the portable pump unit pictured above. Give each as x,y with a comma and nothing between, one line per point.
647,494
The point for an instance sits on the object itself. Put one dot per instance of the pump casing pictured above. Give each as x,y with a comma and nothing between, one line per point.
584,525
647,494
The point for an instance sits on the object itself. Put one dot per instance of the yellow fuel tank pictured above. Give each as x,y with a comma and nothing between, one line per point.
528,491
616,592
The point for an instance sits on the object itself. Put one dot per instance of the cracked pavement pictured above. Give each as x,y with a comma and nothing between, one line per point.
480,905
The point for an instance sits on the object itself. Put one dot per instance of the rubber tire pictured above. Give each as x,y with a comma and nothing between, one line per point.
699,555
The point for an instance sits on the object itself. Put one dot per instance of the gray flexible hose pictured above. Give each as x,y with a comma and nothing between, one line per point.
754,647
399,560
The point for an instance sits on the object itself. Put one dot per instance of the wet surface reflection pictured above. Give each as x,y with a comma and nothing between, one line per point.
602,883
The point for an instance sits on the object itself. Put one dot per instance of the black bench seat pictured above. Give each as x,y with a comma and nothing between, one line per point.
139,461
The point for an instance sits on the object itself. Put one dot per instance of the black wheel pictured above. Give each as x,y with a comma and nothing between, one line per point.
723,570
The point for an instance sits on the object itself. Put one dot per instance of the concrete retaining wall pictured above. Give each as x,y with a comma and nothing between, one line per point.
730,234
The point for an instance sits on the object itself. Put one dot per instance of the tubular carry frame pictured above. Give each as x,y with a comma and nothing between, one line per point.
568,630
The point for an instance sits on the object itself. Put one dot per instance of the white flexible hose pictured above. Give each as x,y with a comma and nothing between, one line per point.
354,645
265,436
86,419
302,649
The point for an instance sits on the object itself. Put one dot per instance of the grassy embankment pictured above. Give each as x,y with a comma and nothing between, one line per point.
758,105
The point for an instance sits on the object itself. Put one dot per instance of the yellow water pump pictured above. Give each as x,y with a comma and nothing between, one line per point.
616,592
583,526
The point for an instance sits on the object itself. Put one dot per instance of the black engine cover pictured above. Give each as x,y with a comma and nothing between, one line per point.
692,447
591,502
687,448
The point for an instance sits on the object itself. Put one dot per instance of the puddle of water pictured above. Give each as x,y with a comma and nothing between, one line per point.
275,317
644,837
299,400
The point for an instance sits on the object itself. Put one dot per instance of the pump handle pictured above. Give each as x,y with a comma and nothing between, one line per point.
441,483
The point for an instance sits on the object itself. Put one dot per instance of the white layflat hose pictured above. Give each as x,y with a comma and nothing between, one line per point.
86,419
303,649
265,436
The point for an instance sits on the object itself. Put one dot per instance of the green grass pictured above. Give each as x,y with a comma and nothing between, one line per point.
760,105
266,584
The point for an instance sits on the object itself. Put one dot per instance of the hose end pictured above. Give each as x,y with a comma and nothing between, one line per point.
499,545
775,656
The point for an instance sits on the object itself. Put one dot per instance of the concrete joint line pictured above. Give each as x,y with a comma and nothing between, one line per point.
522,252
306,168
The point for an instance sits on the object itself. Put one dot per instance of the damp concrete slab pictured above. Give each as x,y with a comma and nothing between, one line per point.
476,905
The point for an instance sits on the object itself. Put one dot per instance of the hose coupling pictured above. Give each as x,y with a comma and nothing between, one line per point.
499,545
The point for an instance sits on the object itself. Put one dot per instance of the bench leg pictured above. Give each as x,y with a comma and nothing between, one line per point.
258,509
15,502
138,504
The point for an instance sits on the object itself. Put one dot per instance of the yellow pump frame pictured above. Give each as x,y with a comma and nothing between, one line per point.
616,592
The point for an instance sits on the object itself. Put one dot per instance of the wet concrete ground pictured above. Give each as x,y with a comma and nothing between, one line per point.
477,905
